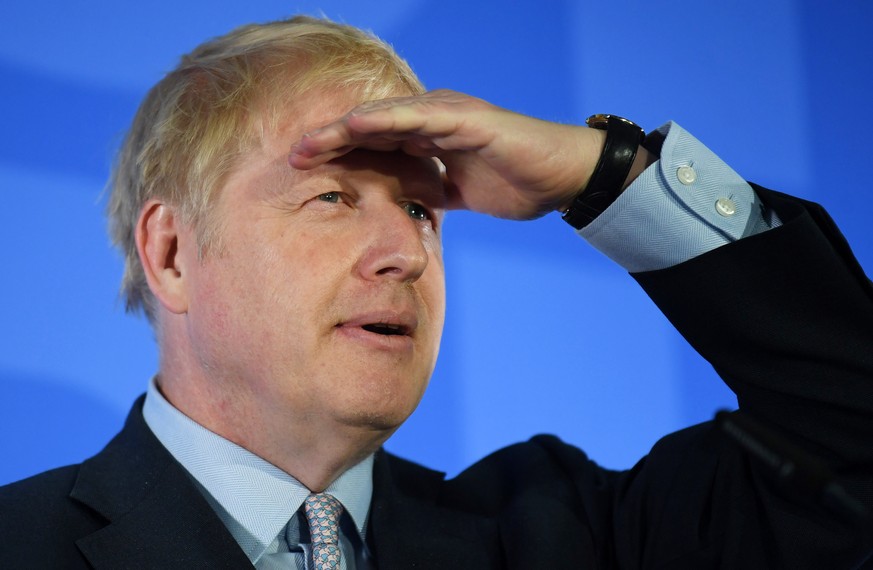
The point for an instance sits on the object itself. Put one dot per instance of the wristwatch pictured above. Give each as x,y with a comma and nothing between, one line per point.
623,138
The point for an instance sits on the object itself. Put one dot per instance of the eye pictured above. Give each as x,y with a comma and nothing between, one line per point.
332,197
417,211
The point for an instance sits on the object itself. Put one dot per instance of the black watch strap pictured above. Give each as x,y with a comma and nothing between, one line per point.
623,138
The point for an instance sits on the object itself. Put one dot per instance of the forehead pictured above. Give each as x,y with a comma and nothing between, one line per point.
288,111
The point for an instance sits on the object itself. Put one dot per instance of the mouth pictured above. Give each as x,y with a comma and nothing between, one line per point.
387,329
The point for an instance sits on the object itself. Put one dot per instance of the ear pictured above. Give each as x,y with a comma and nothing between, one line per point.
158,236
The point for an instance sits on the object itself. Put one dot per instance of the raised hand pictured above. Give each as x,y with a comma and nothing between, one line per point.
497,162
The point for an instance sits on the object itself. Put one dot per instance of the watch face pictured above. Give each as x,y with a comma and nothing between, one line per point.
599,121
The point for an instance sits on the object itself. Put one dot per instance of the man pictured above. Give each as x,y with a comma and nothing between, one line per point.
280,212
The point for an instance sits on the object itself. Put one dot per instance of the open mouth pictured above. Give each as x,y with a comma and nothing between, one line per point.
386,329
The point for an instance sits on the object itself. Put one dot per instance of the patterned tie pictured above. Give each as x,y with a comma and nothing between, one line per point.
323,512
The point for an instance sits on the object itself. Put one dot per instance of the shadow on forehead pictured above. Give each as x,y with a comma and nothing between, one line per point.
419,177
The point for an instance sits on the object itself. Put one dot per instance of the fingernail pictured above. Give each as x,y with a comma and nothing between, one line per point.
294,158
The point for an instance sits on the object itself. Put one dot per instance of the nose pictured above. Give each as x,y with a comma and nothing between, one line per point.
394,246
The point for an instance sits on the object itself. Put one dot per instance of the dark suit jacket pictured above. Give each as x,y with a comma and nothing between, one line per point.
786,317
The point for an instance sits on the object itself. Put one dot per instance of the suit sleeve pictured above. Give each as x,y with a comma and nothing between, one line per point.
786,318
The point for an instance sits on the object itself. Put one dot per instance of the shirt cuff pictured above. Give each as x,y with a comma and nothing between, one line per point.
687,203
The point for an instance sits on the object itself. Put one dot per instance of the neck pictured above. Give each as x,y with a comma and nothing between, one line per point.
311,446
314,452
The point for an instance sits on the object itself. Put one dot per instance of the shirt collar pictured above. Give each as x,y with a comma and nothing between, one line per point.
253,497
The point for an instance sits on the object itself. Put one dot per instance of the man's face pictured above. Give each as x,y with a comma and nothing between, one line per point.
326,298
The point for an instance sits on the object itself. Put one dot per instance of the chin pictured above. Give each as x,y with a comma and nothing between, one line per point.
384,414
381,420
379,401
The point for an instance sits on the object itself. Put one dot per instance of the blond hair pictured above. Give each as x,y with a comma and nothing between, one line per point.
195,124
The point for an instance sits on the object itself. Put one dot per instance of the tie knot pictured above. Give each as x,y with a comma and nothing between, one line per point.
323,512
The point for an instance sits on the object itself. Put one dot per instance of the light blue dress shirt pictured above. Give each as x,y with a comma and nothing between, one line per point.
685,204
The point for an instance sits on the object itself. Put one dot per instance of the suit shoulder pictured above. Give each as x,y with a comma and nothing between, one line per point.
532,457
30,507
46,486
542,466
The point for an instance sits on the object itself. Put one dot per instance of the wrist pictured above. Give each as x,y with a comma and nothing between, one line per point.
589,149
620,161
642,161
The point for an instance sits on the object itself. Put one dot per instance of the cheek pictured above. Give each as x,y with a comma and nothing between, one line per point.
244,320
210,321
434,280
266,268
319,258
233,289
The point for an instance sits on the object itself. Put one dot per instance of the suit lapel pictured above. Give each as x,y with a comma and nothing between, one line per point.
157,516
409,529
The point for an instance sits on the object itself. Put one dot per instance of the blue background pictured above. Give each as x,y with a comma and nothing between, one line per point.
543,334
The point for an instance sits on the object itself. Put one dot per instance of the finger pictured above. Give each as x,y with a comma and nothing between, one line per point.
334,140
308,153
447,123
422,147
303,161
418,117
366,131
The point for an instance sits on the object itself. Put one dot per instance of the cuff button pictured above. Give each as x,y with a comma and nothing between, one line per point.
686,175
725,207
